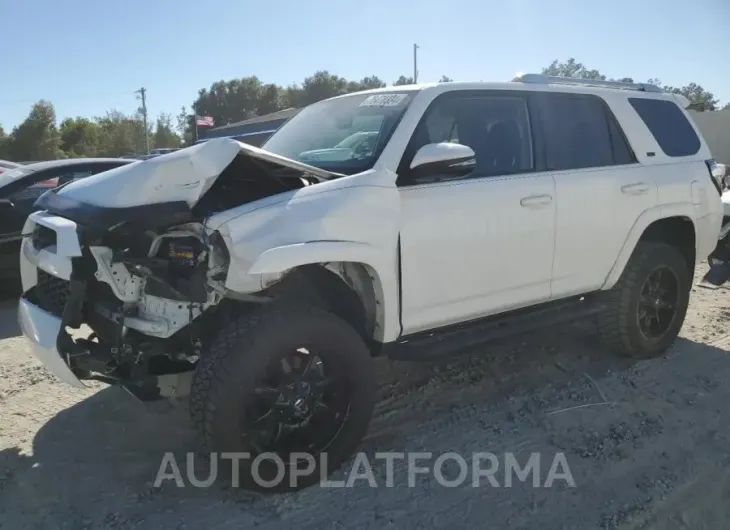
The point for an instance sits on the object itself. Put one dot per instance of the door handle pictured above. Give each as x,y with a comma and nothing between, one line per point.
536,201
638,188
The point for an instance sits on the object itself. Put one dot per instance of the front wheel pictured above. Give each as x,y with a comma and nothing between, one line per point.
646,308
291,391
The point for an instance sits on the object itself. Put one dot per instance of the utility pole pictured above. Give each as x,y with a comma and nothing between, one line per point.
143,96
415,64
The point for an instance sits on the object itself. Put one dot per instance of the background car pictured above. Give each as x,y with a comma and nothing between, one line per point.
6,165
21,185
359,143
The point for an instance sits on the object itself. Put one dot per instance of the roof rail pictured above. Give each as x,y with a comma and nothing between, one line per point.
543,79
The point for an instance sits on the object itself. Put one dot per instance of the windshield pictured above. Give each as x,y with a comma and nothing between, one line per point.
345,135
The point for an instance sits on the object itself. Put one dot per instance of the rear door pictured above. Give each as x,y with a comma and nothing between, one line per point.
601,189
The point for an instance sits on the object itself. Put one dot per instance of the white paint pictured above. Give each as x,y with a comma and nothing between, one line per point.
183,175
441,152
469,248
41,329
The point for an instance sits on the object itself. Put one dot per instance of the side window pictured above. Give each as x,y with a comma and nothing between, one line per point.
669,126
622,152
577,133
496,127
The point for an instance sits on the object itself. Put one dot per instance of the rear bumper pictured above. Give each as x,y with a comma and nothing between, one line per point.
41,328
707,230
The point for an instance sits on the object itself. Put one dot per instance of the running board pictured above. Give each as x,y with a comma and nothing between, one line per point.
454,339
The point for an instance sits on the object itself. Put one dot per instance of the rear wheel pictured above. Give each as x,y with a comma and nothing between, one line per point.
292,388
647,307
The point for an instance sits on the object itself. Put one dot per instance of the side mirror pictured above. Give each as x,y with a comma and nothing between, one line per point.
446,159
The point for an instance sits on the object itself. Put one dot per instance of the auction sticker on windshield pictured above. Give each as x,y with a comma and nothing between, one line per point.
384,100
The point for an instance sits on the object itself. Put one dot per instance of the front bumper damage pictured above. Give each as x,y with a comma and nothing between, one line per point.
70,356
40,326
42,329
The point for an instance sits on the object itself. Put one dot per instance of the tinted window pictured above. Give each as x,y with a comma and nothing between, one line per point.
622,152
671,129
497,129
577,133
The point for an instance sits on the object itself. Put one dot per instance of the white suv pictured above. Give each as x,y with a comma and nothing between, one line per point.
481,209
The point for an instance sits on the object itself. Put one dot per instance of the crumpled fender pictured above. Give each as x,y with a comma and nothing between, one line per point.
278,260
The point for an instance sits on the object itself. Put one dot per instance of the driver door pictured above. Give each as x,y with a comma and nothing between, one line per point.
482,244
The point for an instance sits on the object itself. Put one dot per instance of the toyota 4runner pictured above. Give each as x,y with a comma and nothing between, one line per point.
263,285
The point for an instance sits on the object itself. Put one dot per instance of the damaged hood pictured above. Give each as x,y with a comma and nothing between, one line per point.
183,175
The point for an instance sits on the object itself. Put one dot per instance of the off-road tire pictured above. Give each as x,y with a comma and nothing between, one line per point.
618,325
242,349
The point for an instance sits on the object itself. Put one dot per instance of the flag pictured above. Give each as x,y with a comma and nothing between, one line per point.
204,121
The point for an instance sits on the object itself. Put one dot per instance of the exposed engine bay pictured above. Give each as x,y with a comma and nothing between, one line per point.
139,302
148,280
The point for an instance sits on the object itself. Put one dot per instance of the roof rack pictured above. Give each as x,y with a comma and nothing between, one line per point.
543,79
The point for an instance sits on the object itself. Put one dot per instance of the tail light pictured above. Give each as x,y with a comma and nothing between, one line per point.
717,174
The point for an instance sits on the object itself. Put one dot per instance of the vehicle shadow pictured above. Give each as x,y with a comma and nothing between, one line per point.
9,318
94,464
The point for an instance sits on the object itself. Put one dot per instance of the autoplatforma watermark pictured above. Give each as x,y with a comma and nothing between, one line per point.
449,470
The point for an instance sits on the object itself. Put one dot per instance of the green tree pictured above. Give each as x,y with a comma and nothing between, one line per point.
269,99
164,134
185,126
403,80
230,101
366,83
5,141
322,85
571,68
700,99
37,138
121,134
292,96
79,137
445,79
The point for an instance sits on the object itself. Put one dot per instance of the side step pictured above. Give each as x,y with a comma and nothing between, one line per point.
451,339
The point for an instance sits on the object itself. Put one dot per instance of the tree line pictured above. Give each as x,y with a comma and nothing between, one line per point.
41,137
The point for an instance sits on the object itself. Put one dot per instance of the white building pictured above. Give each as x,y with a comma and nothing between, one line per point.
715,128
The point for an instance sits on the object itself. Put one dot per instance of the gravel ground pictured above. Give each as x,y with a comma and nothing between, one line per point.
648,448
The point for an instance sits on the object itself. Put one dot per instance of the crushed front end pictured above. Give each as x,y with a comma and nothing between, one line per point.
124,302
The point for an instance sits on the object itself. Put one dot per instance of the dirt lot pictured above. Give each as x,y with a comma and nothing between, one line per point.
654,456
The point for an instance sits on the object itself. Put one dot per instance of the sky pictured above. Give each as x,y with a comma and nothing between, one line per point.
89,56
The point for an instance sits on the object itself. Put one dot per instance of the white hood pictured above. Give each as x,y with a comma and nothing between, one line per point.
183,175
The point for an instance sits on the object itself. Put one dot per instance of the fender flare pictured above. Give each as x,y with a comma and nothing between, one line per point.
648,217
278,260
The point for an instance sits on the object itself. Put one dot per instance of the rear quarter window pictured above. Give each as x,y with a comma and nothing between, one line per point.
669,126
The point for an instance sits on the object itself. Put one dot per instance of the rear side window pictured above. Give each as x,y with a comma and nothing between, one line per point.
669,126
580,132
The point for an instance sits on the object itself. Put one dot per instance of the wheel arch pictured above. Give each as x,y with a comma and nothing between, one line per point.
673,225
352,278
